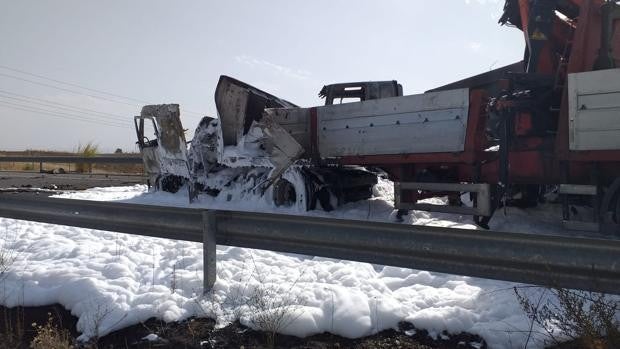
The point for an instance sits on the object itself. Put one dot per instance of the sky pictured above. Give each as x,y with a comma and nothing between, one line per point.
153,51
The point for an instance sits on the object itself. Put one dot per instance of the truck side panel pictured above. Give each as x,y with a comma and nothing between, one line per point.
594,110
296,121
425,123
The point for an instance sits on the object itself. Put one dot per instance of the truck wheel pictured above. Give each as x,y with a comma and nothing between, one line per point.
171,183
284,193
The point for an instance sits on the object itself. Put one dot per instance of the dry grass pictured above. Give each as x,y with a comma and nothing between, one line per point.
266,306
7,253
50,336
96,168
272,309
12,328
589,320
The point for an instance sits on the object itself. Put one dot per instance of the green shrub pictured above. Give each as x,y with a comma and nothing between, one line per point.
89,150
28,167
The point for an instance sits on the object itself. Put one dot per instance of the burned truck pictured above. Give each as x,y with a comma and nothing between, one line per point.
507,137
259,145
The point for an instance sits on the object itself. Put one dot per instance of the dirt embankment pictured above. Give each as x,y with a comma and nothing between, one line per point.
201,333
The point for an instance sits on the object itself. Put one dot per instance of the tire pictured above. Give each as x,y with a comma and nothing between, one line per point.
284,193
171,183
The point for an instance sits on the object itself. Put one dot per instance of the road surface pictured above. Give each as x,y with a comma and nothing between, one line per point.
69,181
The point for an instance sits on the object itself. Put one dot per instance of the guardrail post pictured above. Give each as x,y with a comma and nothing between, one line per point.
209,228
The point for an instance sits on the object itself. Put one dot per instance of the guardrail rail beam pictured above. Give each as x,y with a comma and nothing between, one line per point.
556,261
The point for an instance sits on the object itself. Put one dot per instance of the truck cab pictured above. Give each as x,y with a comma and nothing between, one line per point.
360,91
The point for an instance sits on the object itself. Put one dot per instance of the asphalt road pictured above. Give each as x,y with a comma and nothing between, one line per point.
69,181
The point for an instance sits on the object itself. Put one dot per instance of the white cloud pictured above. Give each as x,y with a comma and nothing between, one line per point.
474,46
286,71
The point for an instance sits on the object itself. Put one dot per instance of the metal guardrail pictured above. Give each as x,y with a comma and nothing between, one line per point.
577,263
98,159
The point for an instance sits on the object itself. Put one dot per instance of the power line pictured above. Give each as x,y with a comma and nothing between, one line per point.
70,113
71,84
66,89
79,86
37,112
64,116
47,103
61,104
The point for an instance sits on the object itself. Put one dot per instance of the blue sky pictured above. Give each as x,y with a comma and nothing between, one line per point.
173,52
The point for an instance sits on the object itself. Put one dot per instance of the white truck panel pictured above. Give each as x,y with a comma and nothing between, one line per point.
294,120
594,110
425,123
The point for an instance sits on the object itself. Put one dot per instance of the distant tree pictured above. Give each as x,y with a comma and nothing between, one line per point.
118,151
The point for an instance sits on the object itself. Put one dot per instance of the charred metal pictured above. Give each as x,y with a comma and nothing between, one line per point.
517,135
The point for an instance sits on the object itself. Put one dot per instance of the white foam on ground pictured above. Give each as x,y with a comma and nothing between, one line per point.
116,280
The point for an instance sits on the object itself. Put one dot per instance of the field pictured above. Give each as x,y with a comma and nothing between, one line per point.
67,167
